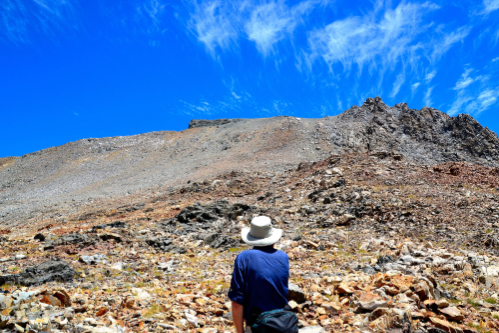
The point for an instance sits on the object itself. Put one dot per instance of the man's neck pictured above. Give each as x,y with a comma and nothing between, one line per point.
268,247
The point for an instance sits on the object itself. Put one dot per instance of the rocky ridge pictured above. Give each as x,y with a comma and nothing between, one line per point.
61,180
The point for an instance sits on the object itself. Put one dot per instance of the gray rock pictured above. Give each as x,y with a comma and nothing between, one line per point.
93,259
383,260
407,259
116,224
211,212
161,243
208,123
369,270
296,293
71,239
217,240
5,302
49,271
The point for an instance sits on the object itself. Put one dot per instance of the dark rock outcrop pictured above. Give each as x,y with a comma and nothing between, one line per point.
71,239
161,243
116,224
217,241
207,123
211,212
49,271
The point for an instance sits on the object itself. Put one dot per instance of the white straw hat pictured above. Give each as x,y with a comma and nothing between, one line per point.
261,232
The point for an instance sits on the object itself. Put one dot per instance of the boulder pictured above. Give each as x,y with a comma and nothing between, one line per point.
452,313
296,293
5,302
445,325
371,302
383,319
49,271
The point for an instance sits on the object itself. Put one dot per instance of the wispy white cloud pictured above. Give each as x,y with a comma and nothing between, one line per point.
233,104
415,87
475,94
444,45
428,77
216,24
427,96
370,39
14,23
219,25
272,22
20,21
465,80
152,11
490,5
398,83
487,98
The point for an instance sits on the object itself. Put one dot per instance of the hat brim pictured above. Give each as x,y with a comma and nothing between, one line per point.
250,240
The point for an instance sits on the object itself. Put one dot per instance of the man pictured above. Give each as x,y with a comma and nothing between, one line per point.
260,279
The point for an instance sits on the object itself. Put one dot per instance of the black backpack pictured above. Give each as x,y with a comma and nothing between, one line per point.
276,321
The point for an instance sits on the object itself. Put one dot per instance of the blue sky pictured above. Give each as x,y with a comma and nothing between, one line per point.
73,69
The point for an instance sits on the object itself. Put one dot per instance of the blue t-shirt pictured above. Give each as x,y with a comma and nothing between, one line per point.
260,280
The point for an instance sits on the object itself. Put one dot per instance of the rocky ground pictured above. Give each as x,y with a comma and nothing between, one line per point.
376,244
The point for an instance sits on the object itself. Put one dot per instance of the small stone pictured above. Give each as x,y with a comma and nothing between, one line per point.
312,244
39,237
117,266
443,324
343,288
442,303
140,294
371,302
346,219
191,319
312,329
116,238
452,313
94,259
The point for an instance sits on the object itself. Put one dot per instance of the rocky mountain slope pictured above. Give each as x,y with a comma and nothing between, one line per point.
376,245
390,219
74,174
